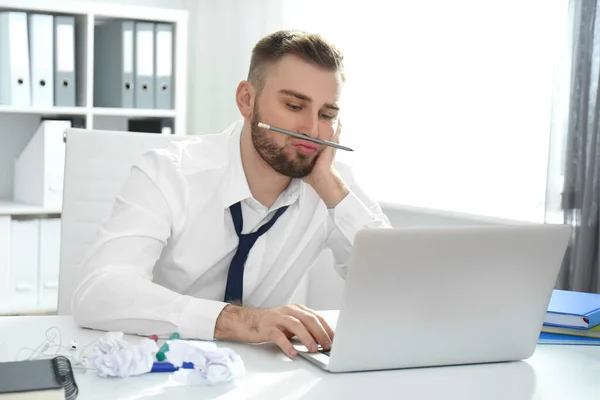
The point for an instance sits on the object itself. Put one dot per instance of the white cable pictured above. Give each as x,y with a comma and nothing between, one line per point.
52,347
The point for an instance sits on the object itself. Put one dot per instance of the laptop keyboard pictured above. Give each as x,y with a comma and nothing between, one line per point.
326,352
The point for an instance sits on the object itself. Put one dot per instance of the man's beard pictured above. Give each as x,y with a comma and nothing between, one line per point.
275,156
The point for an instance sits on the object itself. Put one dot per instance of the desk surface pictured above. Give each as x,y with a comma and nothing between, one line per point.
553,372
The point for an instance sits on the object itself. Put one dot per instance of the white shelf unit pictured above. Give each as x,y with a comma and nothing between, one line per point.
134,112
23,121
87,15
13,208
4,109
19,123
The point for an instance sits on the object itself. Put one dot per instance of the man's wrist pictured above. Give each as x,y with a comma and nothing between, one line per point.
238,323
229,322
331,188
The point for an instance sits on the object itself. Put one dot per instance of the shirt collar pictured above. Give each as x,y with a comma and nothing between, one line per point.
236,187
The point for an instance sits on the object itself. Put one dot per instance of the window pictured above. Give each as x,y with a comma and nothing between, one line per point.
448,105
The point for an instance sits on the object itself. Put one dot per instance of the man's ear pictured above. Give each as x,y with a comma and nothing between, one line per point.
244,97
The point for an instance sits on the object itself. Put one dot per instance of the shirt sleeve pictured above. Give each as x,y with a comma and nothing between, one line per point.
355,212
114,289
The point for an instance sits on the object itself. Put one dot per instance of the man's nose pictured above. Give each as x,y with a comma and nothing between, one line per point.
309,126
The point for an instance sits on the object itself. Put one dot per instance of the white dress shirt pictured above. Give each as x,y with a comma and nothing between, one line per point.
161,260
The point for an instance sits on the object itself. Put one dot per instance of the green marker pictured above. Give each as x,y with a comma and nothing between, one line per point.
160,356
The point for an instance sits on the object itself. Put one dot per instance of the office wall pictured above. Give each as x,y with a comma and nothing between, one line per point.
221,38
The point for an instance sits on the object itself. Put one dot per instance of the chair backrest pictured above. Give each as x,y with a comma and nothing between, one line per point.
96,165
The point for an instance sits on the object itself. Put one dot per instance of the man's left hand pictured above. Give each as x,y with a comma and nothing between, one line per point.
324,179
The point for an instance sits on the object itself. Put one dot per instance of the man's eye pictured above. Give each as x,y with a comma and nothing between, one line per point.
294,107
326,116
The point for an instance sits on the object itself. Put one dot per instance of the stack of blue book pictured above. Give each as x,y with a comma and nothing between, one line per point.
572,318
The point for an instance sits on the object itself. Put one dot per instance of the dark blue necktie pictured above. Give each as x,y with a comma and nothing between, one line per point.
235,278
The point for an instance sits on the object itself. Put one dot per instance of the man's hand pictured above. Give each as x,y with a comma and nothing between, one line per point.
279,325
324,179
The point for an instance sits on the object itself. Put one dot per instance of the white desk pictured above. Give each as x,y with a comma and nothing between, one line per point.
554,372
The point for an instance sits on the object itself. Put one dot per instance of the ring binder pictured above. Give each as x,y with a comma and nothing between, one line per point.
63,373
51,378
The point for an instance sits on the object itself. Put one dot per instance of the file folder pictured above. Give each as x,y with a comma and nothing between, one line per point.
163,84
39,169
144,65
41,47
5,260
113,71
24,263
15,87
64,61
49,262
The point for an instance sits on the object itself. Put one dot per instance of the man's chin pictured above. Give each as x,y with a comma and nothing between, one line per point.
293,171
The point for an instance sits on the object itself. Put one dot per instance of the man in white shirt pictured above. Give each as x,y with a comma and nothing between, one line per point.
211,237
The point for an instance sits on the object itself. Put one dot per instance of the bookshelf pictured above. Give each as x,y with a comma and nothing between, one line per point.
23,119
18,124
4,109
13,208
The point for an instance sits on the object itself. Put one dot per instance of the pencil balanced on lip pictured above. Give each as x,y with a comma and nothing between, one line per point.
304,137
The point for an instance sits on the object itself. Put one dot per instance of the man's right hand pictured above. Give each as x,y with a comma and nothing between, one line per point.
278,324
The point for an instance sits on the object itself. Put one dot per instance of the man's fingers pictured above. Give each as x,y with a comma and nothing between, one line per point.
315,327
322,320
310,328
325,326
297,328
283,342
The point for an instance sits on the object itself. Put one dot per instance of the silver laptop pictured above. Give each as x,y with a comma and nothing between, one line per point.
421,297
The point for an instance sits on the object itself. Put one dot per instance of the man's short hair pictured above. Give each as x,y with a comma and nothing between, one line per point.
310,47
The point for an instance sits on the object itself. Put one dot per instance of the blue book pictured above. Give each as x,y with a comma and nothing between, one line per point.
576,310
555,338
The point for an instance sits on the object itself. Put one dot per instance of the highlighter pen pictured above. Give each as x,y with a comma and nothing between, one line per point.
304,137
160,356
168,367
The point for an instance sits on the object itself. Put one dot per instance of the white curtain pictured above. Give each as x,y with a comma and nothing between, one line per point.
580,198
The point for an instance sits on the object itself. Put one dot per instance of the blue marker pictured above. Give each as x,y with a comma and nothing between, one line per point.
168,367
160,356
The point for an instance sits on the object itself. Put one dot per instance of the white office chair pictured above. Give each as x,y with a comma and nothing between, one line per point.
96,165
